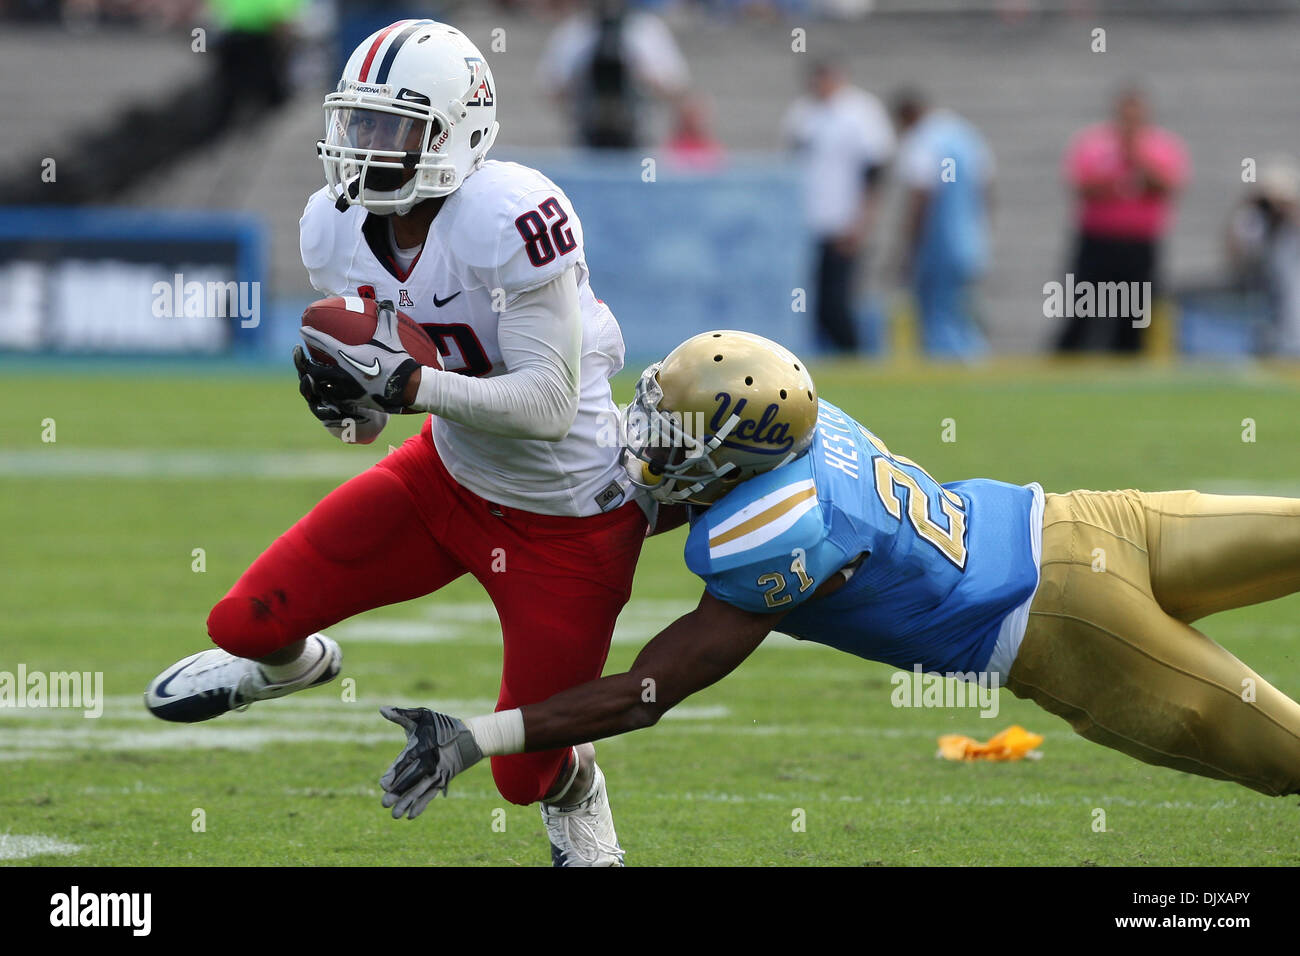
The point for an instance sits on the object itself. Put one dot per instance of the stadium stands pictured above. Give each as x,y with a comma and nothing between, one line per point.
1227,85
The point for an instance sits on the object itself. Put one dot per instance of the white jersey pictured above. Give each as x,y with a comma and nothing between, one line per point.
508,229
838,139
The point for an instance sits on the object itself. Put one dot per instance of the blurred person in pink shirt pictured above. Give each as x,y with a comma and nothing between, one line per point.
1126,176
692,144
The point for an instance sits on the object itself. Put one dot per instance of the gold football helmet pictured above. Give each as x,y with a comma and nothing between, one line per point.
722,407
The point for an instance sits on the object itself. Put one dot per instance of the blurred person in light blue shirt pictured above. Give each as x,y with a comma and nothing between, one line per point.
947,169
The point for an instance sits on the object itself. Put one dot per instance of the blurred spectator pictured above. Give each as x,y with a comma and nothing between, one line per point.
844,140
1125,175
252,56
947,169
691,144
1264,248
603,64
86,15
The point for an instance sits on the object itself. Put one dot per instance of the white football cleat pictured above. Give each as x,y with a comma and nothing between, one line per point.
583,834
210,683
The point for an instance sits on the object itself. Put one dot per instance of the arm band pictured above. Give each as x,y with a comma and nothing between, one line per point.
498,734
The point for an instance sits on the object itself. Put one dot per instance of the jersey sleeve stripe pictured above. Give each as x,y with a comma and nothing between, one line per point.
759,505
761,512
764,533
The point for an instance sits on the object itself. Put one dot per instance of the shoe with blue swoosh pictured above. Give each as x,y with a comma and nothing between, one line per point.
210,683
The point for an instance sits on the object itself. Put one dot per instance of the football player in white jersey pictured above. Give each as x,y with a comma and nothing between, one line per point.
514,478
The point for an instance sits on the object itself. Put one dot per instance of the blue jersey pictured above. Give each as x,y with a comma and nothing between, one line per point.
938,567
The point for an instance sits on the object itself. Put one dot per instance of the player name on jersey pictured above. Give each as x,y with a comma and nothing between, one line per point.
929,580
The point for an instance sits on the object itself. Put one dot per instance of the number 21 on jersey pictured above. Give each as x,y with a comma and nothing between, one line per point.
773,583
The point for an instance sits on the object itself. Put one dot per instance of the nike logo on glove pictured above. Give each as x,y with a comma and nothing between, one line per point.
370,371
439,303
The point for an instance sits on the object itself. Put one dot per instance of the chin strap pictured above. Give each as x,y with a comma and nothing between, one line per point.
351,189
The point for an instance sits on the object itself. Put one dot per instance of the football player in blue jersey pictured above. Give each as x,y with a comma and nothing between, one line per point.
804,522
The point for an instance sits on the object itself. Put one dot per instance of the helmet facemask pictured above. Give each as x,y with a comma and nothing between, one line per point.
671,456
384,155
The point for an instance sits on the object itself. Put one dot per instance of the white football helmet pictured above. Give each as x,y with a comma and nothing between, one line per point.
414,113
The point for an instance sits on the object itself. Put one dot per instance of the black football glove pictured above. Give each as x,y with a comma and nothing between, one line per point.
438,747
330,392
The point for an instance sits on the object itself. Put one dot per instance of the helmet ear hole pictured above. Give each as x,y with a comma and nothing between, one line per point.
474,138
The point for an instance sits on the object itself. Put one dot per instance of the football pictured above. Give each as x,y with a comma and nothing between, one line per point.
352,319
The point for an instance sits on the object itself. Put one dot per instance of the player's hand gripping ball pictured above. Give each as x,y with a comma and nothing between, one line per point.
360,352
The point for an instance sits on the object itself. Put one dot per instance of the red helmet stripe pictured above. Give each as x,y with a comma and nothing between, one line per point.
374,48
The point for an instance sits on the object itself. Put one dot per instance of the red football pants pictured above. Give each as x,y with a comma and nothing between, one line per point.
405,528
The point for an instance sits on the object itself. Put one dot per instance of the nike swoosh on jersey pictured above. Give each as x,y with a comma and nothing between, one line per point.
368,370
762,520
439,303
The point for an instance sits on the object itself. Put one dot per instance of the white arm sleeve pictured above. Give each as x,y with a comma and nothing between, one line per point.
540,336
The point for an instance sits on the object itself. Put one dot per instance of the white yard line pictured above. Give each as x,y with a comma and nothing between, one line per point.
475,622
154,463
18,846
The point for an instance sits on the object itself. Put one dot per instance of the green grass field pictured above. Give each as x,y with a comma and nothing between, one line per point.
100,529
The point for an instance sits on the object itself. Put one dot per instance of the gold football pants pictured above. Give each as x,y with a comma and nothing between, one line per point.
1110,646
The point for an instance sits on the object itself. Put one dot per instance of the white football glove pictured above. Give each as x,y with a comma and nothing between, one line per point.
380,368
438,747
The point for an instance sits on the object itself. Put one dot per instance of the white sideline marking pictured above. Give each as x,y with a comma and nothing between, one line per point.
475,622
687,712
151,463
281,721
32,743
17,846
195,737
973,800
440,622
310,711
468,792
